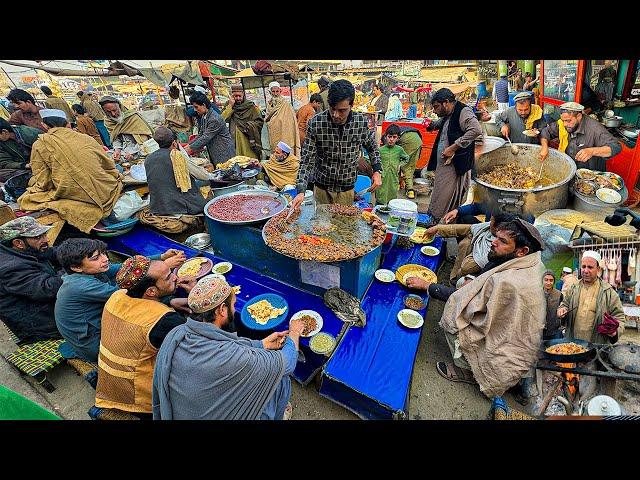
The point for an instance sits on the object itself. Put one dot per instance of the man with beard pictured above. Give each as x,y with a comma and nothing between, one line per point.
453,154
27,112
245,123
282,166
128,130
205,372
581,137
523,116
95,112
473,251
281,120
493,325
72,175
30,277
134,325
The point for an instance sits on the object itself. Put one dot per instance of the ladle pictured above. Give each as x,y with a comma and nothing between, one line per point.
514,148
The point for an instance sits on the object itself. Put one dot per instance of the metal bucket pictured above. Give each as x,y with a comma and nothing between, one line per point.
558,167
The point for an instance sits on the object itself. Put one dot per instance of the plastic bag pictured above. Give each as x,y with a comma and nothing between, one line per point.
128,204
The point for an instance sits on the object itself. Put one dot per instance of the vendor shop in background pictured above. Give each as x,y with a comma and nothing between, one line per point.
611,90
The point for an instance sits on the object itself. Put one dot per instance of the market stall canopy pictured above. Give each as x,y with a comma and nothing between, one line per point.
251,81
188,72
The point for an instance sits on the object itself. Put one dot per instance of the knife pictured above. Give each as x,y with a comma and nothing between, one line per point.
363,192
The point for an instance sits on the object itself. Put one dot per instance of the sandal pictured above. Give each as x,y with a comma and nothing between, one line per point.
411,194
455,374
288,411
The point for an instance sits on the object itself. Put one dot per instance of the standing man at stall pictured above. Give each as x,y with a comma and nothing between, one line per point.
581,137
323,84
245,123
281,121
411,142
306,112
56,102
94,110
500,93
453,155
525,115
332,149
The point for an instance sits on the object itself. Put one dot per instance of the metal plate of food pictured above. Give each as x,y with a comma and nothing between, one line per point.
333,233
415,270
245,206
585,174
616,181
196,267
586,188
312,322
608,195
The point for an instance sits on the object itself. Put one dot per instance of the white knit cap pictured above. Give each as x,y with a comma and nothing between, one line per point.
273,84
566,270
52,112
592,254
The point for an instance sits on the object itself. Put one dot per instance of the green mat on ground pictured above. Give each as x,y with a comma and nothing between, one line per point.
14,406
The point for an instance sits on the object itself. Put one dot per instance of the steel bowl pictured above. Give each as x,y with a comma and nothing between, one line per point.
199,241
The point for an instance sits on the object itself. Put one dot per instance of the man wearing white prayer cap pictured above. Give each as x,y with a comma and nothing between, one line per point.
281,121
567,280
200,89
282,166
592,307
52,112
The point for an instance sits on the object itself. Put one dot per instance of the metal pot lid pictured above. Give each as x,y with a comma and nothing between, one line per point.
626,357
603,405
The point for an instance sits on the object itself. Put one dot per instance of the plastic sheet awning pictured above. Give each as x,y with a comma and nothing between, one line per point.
146,242
370,371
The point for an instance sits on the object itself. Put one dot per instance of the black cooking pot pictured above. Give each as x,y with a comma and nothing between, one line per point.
574,358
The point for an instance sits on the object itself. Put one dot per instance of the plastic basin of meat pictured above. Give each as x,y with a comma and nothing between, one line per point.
278,203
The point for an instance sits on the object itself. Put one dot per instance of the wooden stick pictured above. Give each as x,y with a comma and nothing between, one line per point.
547,399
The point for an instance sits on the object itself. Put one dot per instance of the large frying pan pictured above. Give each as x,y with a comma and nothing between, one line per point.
574,358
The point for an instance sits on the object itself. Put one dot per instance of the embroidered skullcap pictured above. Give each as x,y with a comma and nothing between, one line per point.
209,292
132,271
273,85
592,254
52,112
284,147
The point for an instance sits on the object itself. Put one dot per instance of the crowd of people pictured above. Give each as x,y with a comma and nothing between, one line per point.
166,348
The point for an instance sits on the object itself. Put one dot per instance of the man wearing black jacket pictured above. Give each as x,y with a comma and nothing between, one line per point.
30,277
453,154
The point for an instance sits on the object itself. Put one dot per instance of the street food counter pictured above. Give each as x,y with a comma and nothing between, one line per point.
369,368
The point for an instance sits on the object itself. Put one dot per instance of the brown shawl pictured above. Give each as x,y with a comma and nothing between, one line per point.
72,176
246,117
176,118
499,319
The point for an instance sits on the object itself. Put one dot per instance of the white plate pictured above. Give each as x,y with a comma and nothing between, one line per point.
608,195
222,264
534,132
412,313
311,313
382,273
215,275
430,251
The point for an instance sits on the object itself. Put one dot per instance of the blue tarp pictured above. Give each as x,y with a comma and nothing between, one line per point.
370,372
146,242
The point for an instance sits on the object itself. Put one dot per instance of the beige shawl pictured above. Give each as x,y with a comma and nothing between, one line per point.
283,125
499,318
72,176
132,124
282,173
